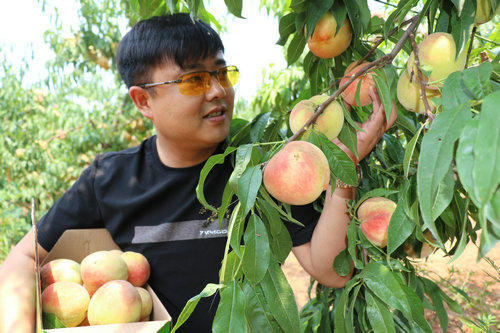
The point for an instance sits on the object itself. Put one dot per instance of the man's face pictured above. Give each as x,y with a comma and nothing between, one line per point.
192,122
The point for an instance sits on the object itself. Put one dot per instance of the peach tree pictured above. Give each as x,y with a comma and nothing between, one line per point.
434,164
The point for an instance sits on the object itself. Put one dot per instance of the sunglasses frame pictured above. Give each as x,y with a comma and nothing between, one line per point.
214,73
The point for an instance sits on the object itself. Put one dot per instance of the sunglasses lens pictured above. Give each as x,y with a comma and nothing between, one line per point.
228,76
199,82
195,83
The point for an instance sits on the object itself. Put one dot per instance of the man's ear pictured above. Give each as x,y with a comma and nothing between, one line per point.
141,99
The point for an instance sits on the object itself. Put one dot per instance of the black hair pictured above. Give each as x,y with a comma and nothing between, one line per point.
159,39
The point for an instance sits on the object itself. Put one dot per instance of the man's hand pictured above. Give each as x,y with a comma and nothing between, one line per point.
374,127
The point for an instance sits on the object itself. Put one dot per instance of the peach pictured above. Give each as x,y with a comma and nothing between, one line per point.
297,174
409,94
349,94
100,267
437,53
68,301
138,268
325,41
484,12
147,304
329,122
426,249
115,302
60,270
375,214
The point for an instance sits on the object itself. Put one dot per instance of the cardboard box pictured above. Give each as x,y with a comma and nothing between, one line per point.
78,243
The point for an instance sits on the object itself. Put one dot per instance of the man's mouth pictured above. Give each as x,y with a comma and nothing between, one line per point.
215,114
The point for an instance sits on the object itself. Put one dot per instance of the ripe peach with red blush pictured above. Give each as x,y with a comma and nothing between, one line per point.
375,214
297,174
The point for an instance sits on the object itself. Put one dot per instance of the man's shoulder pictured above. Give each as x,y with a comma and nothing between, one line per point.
111,158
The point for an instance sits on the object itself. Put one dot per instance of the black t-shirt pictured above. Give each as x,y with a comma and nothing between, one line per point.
150,208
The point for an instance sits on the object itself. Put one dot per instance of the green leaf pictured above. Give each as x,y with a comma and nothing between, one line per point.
342,263
340,164
383,283
257,253
435,158
352,238
50,321
410,149
259,317
465,157
400,228
248,187
379,314
235,7
235,228
281,300
454,94
243,157
433,291
230,315
286,25
209,164
295,48
477,79
315,10
486,172
232,269
384,92
349,138
444,193
462,22
208,291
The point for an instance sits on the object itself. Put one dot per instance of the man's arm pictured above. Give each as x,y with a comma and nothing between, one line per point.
17,287
330,234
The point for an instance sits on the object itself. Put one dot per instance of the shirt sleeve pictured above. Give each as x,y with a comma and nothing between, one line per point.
77,208
306,215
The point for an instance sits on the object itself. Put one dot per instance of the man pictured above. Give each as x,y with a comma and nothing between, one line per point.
145,196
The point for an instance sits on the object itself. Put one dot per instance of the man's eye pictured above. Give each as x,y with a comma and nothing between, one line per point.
192,79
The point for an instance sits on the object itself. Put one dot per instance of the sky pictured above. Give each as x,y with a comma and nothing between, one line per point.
250,43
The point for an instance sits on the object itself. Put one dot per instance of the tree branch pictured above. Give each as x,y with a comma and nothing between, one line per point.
388,58
420,78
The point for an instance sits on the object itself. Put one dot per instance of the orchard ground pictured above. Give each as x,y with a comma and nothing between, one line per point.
475,278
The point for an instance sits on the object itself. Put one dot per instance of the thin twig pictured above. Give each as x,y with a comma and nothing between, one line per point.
470,45
388,58
420,77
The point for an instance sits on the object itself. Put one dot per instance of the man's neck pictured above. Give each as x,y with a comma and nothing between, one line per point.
176,156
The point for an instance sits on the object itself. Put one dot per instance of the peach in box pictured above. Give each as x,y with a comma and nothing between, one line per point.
67,300
115,302
100,267
60,270
77,244
138,268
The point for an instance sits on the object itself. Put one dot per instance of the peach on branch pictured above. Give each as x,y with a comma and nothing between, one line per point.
60,270
115,302
409,93
329,122
68,301
138,268
367,82
426,248
325,41
484,12
297,174
437,53
100,267
375,214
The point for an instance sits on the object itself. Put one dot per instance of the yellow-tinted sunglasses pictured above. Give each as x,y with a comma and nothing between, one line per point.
197,83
